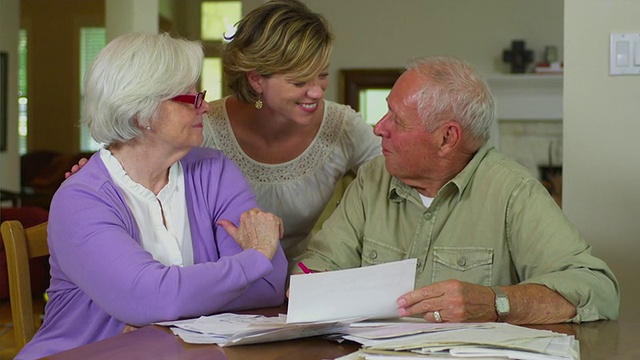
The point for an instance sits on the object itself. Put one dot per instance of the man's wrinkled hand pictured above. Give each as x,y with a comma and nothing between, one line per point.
455,301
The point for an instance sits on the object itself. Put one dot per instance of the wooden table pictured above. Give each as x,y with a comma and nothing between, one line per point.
598,340
603,340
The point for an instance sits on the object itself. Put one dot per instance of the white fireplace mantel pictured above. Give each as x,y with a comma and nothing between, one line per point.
527,96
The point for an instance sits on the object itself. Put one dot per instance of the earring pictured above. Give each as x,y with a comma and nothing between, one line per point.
259,104
148,128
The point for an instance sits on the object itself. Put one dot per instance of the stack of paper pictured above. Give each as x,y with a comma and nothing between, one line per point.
319,304
397,340
233,329
336,303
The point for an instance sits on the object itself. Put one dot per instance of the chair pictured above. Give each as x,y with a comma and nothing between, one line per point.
21,245
39,267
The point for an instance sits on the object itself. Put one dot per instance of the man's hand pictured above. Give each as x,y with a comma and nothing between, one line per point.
75,168
258,230
456,301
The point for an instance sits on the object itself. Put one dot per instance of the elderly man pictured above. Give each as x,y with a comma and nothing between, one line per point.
491,243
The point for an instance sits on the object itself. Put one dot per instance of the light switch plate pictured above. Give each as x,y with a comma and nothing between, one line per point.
624,54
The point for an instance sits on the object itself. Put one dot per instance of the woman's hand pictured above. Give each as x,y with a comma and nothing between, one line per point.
258,230
75,168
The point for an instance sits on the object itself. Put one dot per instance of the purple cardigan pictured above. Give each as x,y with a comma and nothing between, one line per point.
102,279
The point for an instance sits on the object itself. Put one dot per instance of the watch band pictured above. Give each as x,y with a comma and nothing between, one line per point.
501,303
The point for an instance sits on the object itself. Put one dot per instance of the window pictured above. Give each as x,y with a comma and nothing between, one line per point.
373,104
366,90
211,79
92,40
22,92
217,19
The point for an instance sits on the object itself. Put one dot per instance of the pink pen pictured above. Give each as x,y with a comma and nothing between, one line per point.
304,268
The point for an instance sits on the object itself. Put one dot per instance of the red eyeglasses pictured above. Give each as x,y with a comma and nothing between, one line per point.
196,99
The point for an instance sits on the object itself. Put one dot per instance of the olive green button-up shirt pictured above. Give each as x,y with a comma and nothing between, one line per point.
492,224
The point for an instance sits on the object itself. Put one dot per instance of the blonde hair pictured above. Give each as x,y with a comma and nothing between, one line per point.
278,37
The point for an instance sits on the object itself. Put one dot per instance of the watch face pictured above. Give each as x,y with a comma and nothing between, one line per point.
502,305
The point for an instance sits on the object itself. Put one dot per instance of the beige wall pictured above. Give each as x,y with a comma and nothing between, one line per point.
601,128
126,16
53,28
9,159
384,33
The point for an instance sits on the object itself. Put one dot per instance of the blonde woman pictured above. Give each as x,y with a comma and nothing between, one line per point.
291,144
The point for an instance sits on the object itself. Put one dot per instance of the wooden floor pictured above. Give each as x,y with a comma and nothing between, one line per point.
7,343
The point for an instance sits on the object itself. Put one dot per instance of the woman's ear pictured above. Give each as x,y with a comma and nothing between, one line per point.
255,80
136,122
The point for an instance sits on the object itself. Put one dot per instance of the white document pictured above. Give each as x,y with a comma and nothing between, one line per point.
366,292
500,335
483,340
236,329
367,330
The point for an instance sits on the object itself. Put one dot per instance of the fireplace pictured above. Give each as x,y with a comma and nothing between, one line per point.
529,126
527,96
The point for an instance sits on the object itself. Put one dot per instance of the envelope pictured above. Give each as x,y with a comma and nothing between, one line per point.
366,292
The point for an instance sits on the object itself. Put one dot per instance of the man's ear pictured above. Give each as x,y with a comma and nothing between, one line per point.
451,136
255,80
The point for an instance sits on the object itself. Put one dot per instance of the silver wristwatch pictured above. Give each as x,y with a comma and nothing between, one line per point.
502,304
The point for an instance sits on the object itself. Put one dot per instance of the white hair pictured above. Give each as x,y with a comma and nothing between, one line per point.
130,78
453,88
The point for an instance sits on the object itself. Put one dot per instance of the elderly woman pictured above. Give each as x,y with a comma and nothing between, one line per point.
147,231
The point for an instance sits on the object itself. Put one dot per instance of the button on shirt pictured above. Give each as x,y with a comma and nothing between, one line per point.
492,224
170,241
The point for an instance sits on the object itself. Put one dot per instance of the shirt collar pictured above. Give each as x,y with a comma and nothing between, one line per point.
399,191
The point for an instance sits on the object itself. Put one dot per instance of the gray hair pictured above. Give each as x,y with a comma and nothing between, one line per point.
131,77
454,90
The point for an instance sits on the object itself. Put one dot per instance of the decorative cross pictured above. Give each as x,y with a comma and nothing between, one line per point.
518,56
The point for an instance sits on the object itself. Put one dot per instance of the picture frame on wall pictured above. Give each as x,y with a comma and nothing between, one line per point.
3,100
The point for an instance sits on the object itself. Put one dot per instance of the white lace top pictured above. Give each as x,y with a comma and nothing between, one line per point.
298,190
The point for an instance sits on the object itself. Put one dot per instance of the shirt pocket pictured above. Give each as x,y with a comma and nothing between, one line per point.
377,252
470,264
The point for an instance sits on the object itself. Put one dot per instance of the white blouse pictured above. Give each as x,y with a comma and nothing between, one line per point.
170,244
298,190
